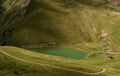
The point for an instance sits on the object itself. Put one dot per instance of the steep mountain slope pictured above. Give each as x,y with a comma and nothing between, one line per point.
54,20
49,22
10,13
57,21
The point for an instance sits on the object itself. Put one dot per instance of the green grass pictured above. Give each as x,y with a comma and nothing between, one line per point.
62,22
67,23
92,63
11,67
54,21
16,67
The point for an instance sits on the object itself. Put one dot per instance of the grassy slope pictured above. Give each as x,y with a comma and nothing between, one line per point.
15,67
63,22
50,21
43,23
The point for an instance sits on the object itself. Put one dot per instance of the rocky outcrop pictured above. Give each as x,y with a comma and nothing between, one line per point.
8,16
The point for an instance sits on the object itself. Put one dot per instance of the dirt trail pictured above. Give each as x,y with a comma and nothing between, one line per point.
52,66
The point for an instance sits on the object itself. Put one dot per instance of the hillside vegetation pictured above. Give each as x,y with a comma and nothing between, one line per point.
16,61
31,63
87,25
59,21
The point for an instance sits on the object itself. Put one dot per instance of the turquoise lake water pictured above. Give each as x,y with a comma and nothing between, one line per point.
60,51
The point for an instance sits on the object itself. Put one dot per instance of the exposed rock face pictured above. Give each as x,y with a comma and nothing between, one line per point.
8,15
